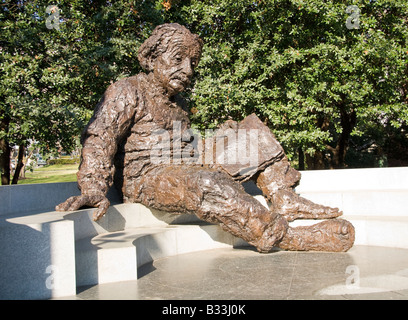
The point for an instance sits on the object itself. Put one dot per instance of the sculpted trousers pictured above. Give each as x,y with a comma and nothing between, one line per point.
214,197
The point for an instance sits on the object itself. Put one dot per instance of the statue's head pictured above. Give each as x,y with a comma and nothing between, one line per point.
171,53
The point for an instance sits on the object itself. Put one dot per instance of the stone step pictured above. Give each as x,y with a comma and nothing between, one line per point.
385,231
116,256
373,179
363,202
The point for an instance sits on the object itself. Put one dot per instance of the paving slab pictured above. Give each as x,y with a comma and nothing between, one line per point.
365,272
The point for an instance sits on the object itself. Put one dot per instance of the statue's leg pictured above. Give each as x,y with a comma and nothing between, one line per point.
277,182
276,178
214,197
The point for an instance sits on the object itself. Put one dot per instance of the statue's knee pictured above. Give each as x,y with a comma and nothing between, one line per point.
284,172
292,177
212,178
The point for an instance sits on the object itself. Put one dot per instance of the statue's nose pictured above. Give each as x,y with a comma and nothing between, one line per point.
187,68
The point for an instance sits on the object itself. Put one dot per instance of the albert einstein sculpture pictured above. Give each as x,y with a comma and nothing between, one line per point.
121,137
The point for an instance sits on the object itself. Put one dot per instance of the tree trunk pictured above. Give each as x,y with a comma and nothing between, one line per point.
301,159
20,164
5,162
5,151
348,122
315,162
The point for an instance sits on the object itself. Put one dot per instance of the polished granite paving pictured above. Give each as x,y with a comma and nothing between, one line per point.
244,274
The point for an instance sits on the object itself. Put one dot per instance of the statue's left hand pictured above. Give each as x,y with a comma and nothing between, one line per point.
74,203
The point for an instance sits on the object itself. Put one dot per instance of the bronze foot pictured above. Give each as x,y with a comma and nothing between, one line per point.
335,235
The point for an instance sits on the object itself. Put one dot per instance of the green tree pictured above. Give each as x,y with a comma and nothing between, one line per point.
330,88
33,103
317,76
56,62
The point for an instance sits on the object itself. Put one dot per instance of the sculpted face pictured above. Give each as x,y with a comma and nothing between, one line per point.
174,68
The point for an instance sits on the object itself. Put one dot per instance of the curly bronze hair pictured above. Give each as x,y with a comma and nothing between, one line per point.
159,41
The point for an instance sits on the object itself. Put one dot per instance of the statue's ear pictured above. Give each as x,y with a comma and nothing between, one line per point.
145,56
151,60
145,61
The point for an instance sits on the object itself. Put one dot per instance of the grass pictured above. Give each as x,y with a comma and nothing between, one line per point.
50,174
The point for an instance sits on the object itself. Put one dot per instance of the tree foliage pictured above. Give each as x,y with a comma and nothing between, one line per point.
53,71
321,86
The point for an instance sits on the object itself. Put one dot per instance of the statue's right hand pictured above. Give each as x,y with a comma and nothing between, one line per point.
74,203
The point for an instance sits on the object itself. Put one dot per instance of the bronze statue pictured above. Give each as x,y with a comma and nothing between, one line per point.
136,115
